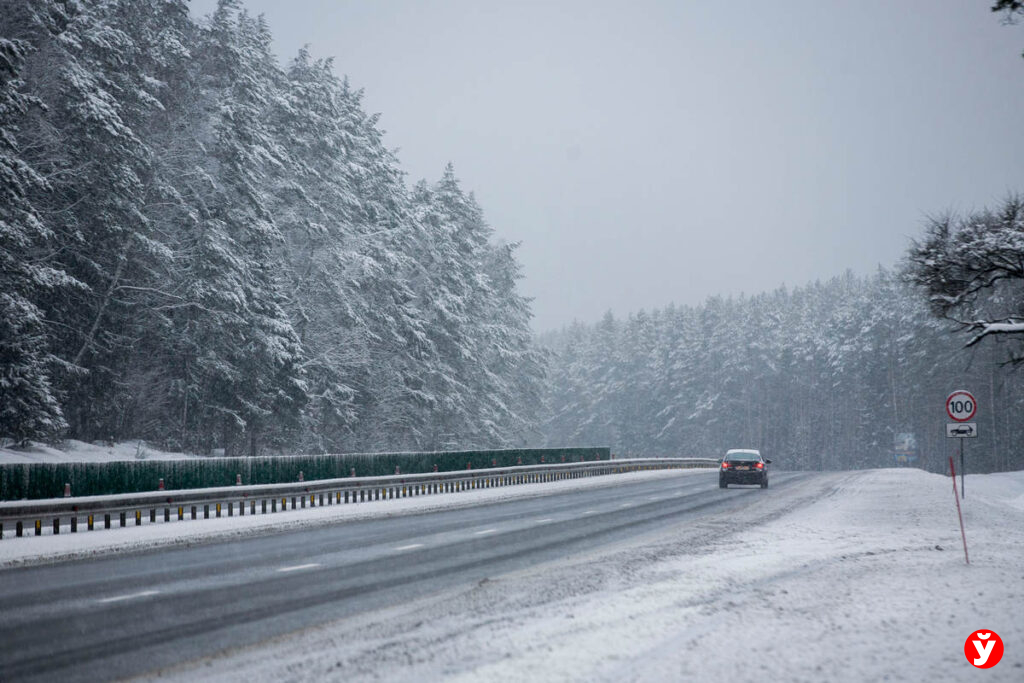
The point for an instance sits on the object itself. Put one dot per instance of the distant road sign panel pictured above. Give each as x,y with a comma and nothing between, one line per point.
962,430
961,406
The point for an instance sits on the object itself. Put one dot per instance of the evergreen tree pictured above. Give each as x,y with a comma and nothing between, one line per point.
28,406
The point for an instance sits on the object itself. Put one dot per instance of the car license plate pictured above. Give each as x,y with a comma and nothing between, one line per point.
743,467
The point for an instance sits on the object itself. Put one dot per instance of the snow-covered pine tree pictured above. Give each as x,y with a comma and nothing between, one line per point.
28,407
239,372
85,141
510,357
340,204
451,289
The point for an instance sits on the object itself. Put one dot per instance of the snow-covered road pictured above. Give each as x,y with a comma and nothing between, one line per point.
867,582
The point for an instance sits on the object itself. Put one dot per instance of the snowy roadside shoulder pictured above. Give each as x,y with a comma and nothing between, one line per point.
868,583
66,546
860,577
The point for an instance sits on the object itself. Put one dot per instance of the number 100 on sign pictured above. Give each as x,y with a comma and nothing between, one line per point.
961,406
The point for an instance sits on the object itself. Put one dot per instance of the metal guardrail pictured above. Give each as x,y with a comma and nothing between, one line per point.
134,508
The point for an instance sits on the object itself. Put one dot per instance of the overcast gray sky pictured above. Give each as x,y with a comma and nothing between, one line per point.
647,152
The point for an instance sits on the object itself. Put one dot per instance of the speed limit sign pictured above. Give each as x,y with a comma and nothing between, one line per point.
961,406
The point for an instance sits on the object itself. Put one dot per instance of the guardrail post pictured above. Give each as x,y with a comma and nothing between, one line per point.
152,515
39,527
56,526
264,506
138,518
231,508
303,502
181,513
167,514
19,529
338,499
322,499
206,511
193,512
74,526
106,521
346,497
218,509
124,519
273,504
88,522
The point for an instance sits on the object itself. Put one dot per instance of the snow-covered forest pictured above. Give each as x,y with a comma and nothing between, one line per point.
204,248
208,250
823,376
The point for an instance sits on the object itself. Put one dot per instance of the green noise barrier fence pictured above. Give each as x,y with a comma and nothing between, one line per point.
47,480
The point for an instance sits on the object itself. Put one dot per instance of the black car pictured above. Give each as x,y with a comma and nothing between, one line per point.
743,466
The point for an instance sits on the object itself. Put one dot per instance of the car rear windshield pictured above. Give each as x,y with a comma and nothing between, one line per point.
742,456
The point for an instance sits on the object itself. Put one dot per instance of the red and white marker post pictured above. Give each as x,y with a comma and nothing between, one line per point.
963,535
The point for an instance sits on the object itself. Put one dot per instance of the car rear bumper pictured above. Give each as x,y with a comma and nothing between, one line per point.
753,477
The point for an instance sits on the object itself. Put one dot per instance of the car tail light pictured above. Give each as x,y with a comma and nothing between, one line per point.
725,465
759,465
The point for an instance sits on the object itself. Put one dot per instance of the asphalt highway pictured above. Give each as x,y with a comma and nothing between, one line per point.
122,616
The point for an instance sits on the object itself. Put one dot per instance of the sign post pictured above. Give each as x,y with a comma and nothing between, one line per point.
961,407
959,514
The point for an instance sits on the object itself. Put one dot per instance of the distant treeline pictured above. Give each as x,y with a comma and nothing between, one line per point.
819,377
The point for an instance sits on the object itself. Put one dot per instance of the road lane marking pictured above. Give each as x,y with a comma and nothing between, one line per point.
546,519
299,566
654,498
410,546
485,531
626,505
590,512
130,596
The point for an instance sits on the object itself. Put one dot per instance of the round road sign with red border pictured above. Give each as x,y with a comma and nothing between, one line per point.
961,406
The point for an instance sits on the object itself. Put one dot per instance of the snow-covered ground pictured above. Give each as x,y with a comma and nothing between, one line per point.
80,451
866,583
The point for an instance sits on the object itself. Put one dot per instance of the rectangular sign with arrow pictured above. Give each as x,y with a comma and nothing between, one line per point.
961,430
